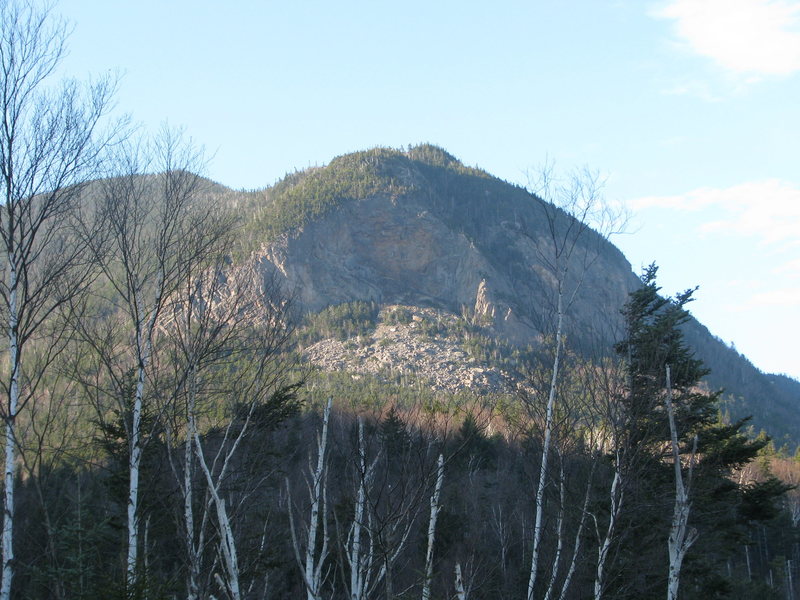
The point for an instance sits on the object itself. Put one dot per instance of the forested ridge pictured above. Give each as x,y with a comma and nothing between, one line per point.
166,437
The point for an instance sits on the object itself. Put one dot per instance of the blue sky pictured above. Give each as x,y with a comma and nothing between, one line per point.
689,108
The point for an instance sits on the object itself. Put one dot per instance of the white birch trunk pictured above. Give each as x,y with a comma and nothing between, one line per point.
426,587
144,348
576,548
354,553
680,537
500,527
311,567
616,496
227,542
562,494
214,480
747,558
789,580
551,399
10,445
461,593
134,463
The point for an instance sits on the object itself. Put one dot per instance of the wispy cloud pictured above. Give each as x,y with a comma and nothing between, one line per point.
752,38
790,269
699,89
768,210
785,297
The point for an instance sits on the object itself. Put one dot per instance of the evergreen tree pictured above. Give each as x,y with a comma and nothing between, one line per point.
721,508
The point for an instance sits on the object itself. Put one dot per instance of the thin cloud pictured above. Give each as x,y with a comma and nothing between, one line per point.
786,297
698,89
759,297
748,37
789,269
768,209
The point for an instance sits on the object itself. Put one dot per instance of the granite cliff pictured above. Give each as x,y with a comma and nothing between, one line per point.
419,229
452,238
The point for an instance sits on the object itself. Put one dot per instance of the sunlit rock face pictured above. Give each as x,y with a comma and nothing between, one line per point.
486,256
420,229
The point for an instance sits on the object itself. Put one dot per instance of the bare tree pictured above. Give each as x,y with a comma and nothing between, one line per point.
570,208
573,444
576,547
395,499
312,563
502,529
48,150
607,418
680,536
359,548
394,473
224,329
156,233
435,508
462,590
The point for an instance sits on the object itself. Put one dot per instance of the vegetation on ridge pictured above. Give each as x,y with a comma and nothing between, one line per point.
310,194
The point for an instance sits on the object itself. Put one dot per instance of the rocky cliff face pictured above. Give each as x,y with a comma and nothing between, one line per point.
474,249
382,250
418,228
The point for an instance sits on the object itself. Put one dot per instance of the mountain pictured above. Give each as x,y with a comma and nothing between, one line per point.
416,231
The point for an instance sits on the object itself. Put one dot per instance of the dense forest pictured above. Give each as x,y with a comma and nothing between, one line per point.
164,437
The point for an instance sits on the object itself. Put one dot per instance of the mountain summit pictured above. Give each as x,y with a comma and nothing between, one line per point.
417,228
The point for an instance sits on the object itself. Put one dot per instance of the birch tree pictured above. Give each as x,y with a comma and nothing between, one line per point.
359,547
608,422
392,481
49,148
224,327
680,536
570,208
155,231
461,592
435,508
561,533
605,537
575,457
400,486
576,546
309,560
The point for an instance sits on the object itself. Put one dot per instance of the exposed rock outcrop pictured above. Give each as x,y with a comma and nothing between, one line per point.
432,247
437,361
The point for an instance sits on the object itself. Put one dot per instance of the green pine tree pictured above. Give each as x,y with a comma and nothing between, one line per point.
721,509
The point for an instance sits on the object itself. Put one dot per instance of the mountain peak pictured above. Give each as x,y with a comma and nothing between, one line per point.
418,228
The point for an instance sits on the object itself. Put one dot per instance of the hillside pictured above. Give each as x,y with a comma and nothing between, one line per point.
418,228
